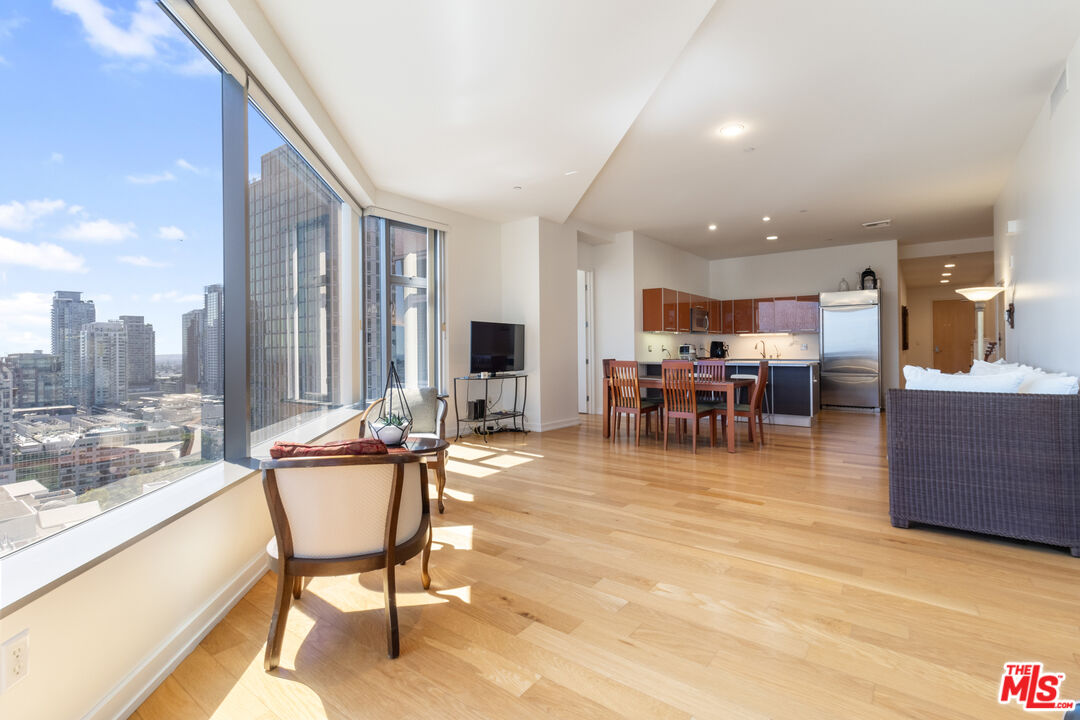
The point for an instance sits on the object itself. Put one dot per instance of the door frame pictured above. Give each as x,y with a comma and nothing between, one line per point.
585,355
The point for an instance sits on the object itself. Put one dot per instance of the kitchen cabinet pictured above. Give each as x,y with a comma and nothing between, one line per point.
807,315
743,316
785,314
684,302
727,316
671,310
764,315
715,322
652,310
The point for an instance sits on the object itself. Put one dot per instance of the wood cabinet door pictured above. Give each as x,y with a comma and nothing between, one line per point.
671,311
785,314
764,315
727,316
684,303
652,310
715,322
808,318
700,302
743,316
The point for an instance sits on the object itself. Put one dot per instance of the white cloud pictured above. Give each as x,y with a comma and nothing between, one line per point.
43,256
141,261
22,216
151,179
147,26
76,210
185,165
171,232
176,296
25,321
98,231
100,297
9,25
56,158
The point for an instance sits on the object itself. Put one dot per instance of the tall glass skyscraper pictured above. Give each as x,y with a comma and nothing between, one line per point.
140,351
69,313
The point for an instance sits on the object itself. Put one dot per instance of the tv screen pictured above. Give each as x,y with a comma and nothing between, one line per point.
497,347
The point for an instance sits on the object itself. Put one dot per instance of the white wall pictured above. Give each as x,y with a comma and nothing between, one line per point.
1041,261
558,326
612,264
520,278
657,264
808,272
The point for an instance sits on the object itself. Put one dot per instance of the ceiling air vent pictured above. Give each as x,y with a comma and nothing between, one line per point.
887,222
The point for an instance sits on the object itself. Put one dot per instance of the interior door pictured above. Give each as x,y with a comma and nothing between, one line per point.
954,335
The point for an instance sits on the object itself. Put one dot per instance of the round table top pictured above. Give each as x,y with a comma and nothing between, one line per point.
425,446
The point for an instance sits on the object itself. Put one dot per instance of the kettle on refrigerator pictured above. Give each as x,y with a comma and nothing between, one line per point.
868,280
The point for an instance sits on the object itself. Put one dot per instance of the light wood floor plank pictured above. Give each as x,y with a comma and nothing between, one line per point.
573,577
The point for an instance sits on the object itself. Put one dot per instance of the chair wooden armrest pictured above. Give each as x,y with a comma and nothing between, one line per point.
372,407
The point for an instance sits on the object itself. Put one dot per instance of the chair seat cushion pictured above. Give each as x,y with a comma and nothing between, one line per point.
650,403
355,446
739,407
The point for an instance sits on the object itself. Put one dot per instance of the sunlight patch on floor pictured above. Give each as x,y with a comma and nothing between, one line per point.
460,537
475,471
463,593
459,495
506,461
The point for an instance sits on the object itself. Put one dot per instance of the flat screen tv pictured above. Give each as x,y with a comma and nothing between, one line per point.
496,347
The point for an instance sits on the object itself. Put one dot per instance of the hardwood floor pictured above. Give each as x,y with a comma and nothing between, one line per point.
574,578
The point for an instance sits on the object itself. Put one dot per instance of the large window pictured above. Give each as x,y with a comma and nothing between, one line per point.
111,330
294,316
402,322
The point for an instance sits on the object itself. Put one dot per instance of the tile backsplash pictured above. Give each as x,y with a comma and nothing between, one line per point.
649,345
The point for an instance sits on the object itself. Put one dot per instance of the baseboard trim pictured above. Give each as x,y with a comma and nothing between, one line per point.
553,425
138,684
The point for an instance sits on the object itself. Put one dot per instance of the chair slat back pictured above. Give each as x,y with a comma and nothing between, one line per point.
679,394
625,389
711,369
759,386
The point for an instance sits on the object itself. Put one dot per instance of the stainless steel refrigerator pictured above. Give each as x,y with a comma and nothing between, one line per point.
851,349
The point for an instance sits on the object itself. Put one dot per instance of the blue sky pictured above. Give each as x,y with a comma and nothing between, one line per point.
111,180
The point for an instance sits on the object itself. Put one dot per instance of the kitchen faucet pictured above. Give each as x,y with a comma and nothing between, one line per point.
762,343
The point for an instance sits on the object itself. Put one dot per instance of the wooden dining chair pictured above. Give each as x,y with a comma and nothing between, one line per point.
752,411
681,402
713,371
605,365
626,400
341,515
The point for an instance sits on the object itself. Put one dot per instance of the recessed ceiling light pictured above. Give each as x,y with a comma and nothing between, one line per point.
766,219
772,237
946,274
950,265
944,281
517,187
712,227
730,130
570,172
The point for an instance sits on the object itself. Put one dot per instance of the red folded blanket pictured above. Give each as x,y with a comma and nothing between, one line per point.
360,446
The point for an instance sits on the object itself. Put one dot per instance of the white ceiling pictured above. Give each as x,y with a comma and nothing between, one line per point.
971,269
856,109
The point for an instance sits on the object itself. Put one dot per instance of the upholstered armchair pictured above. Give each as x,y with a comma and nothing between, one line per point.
341,515
428,410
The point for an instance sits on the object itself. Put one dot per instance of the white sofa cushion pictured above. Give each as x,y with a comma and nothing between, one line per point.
923,379
1040,383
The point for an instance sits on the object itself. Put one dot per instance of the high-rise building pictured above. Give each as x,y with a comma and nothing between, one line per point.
38,379
7,423
69,313
213,382
140,351
192,326
103,357
293,334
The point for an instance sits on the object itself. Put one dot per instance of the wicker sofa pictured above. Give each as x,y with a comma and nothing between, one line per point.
997,463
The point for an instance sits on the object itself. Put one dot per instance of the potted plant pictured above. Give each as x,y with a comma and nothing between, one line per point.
395,418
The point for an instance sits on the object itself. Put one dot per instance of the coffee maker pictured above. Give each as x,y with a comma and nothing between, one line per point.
718,349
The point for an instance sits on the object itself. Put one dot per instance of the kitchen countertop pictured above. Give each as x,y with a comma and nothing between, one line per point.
750,361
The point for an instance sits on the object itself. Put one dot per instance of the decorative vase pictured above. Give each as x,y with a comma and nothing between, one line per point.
844,287
395,418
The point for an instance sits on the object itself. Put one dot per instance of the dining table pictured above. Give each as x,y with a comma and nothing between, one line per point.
729,387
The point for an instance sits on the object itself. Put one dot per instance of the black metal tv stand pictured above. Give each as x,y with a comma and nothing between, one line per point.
490,421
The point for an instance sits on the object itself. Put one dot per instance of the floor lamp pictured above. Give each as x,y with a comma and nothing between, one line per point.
979,296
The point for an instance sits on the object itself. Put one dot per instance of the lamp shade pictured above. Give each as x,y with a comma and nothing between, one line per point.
980,294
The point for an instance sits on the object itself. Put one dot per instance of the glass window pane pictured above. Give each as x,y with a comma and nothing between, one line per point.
409,334
408,250
110,263
293,343
374,318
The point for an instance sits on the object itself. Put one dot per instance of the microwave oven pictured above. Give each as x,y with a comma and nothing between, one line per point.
699,320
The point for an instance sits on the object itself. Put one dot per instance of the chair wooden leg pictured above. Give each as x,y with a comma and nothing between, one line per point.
693,434
298,587
393,648
712,425
277,622
440,477
637,429
666,419
750,427
425,555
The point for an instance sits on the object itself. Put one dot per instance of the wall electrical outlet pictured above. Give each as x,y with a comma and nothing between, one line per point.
14,660
803,347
